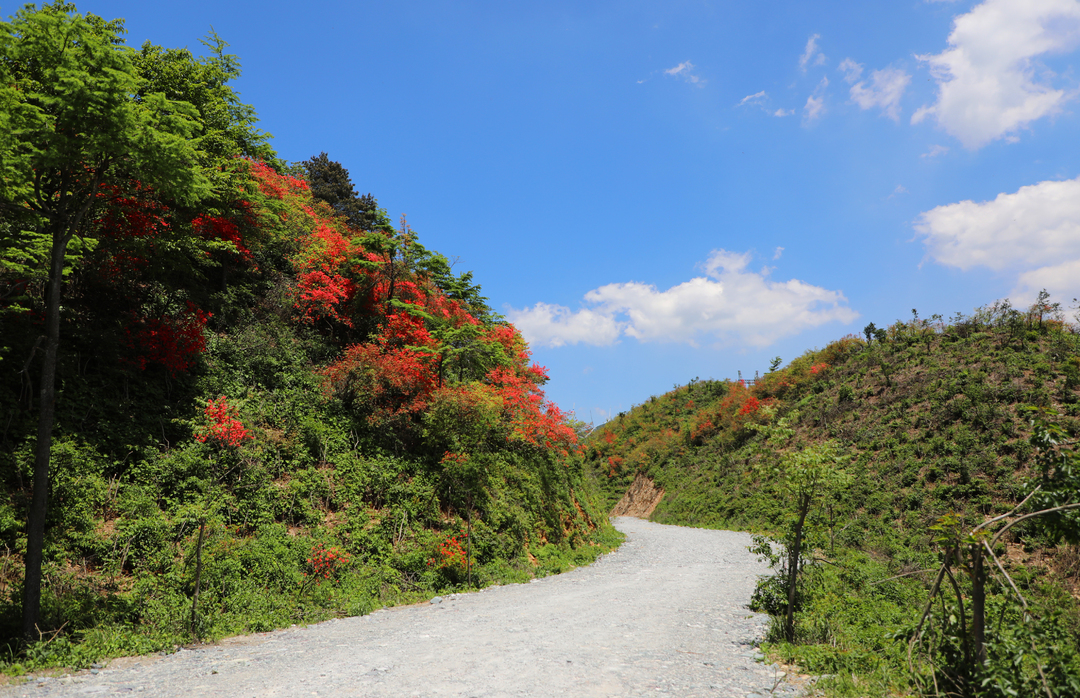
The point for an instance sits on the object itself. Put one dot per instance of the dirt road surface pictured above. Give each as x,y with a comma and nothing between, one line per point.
664,615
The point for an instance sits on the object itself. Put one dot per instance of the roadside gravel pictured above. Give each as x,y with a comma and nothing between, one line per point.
664,615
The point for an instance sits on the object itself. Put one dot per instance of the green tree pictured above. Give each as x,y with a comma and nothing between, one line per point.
803,477
74,118
330,182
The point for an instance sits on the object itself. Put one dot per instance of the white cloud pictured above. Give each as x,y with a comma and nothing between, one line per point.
815,103
812,55
1060,280
934,151
685,71
761,99
852,70
550,325
1033,233
757,98
987,85
900,189
1039,224
729,304
886,88
814,108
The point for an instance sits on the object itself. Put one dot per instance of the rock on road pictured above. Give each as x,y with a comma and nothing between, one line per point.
664,615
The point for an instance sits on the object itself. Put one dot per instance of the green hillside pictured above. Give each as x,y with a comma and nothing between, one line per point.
262,402
929,419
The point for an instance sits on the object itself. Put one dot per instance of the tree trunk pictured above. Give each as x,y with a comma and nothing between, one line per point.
793,569
978,604
468,543
198,579
35,519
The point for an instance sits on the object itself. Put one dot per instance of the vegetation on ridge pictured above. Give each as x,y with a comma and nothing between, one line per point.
935,427
272,405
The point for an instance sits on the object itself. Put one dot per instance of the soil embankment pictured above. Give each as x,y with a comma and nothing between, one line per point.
640,499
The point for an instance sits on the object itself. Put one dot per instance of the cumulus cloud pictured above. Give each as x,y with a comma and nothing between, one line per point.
987,82
550,325
1033,233
685,71
812,55
783,112
934,151
729,303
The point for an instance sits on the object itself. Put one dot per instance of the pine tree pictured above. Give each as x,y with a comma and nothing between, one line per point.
330,182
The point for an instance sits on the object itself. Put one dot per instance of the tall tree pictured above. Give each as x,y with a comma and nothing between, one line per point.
73,119
330,182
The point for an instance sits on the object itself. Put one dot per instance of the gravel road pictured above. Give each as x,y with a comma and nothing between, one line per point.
664,615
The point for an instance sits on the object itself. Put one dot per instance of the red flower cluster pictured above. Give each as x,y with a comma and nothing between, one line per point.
532,419
273,184
751,405
222,229
224,428
819,368
172,342
454,459
326,562
450,554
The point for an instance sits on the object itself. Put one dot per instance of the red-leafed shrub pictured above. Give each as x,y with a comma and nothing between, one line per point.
388,386
223,426
326,563
221,228
173,342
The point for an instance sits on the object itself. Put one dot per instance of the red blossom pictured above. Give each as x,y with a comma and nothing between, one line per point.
224,427
172,342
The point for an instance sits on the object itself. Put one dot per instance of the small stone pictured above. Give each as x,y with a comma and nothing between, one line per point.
437,599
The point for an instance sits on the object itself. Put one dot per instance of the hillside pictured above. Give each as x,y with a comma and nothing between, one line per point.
929,419
267,404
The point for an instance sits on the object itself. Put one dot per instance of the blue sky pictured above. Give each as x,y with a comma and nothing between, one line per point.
658,191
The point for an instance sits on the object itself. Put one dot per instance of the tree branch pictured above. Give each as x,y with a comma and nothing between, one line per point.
1011,512
1009,525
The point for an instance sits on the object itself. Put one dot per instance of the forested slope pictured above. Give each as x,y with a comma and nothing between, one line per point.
900,444
272,404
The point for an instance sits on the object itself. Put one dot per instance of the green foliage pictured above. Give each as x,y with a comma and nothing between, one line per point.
184,286
933,419
330,182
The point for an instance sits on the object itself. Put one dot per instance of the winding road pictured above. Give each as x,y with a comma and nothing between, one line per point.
663,615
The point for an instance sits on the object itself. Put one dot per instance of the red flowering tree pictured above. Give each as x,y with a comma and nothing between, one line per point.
223,426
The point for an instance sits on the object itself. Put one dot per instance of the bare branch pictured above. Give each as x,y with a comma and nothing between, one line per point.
905,574
1011,512
917,635
1023,601
1009,525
